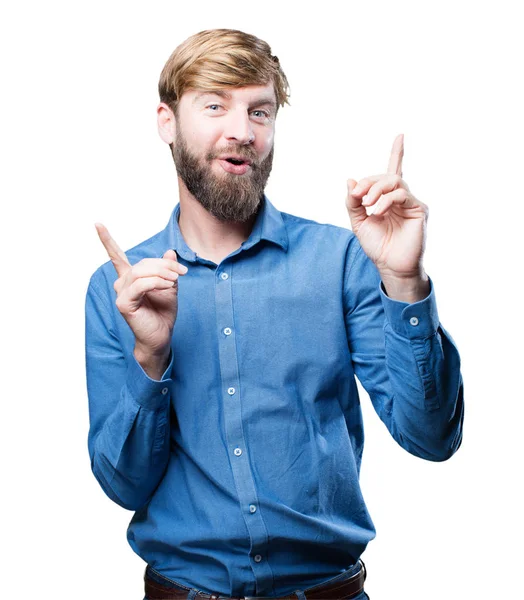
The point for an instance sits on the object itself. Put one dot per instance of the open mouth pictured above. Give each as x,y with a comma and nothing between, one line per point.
235,161
235,164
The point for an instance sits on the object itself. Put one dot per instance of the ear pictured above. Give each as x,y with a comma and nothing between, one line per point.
166,123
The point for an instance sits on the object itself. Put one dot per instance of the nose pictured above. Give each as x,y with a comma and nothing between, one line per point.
239,127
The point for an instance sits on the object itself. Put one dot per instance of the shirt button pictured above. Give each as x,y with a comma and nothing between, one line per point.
224,275
227,330
164,391
413,321
252,508
230,391
258,558
237,451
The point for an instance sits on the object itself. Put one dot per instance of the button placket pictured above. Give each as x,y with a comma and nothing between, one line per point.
236,443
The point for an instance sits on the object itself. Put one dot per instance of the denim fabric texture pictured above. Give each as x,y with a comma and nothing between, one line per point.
242,463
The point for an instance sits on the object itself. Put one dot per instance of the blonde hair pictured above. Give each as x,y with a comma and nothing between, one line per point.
220,58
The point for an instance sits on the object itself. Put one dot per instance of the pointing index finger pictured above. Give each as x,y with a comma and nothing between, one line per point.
116,254
397,154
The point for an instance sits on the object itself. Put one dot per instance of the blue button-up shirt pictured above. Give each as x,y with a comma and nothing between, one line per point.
242,463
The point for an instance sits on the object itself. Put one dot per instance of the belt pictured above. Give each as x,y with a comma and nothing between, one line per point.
337,590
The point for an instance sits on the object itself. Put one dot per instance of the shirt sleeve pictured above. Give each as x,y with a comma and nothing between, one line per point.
406,361
128,437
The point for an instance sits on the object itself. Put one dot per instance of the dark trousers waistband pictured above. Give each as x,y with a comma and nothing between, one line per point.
333,589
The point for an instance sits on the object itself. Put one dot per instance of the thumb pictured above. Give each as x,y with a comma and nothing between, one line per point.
171,254
357,212
354,203
351,185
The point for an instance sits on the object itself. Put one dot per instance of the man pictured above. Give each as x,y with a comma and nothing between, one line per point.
222,352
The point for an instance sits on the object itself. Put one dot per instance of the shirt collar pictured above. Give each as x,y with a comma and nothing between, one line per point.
268,225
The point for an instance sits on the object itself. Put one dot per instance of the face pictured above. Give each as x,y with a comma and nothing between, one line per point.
223,148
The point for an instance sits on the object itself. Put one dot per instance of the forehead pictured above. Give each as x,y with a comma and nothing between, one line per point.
249,94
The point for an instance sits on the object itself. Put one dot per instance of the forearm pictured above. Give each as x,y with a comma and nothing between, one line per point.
406,362
425,406
128,410
130,450
424,411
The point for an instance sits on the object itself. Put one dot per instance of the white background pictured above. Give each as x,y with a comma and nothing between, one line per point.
79,145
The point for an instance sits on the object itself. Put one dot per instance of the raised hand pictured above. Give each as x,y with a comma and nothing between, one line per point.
147,298
393,234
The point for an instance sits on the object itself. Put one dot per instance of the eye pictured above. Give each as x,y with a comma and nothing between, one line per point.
214,107
260,114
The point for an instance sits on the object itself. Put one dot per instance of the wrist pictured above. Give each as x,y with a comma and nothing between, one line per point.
153,362
406,288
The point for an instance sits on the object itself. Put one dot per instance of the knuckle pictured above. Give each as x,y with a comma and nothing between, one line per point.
117,286
120,305
135,272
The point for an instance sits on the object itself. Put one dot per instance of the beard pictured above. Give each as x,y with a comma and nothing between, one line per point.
228,197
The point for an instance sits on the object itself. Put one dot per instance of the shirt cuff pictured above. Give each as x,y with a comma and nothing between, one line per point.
416,320
148,392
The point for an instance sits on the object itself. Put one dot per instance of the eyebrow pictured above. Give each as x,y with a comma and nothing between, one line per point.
264,101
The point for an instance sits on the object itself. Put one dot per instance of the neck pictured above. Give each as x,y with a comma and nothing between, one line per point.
205,234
